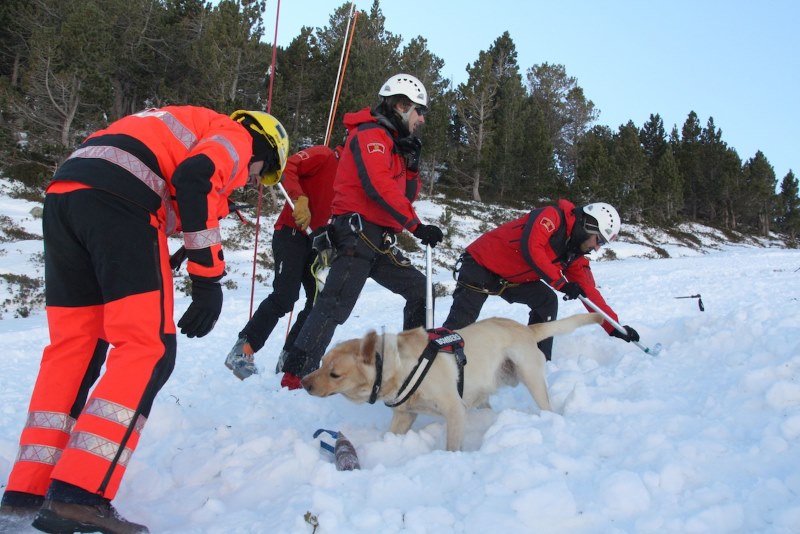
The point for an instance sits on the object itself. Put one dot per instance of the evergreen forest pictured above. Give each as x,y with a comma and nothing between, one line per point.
520,135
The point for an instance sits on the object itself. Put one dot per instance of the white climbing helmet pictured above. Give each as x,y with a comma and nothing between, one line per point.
603,219
408,85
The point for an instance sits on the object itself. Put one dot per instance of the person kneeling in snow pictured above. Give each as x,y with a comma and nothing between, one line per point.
519,260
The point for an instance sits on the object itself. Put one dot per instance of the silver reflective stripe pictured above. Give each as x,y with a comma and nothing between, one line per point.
116,413
202,239
39,453
226,144
51,420
99,446
133,165
183,134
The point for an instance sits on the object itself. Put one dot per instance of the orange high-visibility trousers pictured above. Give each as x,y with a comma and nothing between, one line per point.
107,282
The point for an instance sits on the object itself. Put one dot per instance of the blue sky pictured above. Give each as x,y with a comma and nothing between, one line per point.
734,60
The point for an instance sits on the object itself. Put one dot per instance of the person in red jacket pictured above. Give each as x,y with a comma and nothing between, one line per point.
108,283
376,183
308,181
521,260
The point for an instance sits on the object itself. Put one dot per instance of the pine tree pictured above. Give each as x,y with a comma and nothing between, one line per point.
505,171
789,206
567,114
758,187
630,166
596,176
475,105
688,157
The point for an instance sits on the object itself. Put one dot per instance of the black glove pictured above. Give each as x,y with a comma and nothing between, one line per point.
177,258
630,335
202,314
429,234
572,291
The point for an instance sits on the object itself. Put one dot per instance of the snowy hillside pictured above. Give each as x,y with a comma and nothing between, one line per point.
703,438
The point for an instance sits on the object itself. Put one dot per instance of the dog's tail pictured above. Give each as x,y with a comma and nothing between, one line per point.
564,326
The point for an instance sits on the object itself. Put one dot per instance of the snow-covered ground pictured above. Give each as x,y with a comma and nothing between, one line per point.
703,438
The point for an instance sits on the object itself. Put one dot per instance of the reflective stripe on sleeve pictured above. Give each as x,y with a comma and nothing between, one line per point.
202,239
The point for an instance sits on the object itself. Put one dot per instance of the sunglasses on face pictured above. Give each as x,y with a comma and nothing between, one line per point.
421,110
601,241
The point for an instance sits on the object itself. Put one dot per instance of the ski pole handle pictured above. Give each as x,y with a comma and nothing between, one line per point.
291,204
618,326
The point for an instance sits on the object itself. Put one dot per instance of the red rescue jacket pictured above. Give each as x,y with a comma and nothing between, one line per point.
535,247
310,173
180,163
372,179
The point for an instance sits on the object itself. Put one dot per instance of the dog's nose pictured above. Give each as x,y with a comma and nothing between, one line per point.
306,383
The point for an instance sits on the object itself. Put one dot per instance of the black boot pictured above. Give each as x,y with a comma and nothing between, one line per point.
295,362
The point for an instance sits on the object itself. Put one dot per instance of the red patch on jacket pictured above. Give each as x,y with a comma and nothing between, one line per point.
303,155
376,147
549,226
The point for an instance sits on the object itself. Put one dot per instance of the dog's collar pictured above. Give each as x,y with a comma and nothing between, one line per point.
376,386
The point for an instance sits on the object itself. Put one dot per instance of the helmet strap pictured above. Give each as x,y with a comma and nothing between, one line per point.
271,163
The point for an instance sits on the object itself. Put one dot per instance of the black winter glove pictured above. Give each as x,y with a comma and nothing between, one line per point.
177,258
429,234
572,291
631,335
202,314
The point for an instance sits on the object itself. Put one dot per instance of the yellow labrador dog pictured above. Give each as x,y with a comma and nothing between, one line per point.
498,351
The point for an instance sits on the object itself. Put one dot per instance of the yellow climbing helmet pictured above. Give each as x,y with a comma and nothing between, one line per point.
275,134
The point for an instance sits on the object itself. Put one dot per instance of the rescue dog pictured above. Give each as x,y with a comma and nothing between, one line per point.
499,352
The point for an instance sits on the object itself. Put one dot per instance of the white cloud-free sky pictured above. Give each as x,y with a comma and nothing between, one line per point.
733,60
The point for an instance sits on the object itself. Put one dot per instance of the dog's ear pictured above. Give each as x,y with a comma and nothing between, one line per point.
368,345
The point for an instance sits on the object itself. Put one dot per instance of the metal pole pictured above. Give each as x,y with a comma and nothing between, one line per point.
654,351
428,287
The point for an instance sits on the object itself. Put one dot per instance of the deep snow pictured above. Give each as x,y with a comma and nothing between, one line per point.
703,438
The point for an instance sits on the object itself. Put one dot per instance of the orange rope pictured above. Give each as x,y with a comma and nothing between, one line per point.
341,79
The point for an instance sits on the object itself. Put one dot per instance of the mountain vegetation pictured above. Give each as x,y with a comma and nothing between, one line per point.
511,134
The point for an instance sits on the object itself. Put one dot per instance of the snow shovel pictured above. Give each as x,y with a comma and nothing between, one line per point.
651,351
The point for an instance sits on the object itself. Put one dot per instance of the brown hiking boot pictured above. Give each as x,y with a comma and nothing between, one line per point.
59,517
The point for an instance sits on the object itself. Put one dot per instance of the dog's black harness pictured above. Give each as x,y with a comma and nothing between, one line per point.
439,339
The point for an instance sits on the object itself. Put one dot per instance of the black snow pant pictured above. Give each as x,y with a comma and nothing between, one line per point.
356,260
293,256
476,283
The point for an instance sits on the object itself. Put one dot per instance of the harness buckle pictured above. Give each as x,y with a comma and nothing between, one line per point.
356,224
